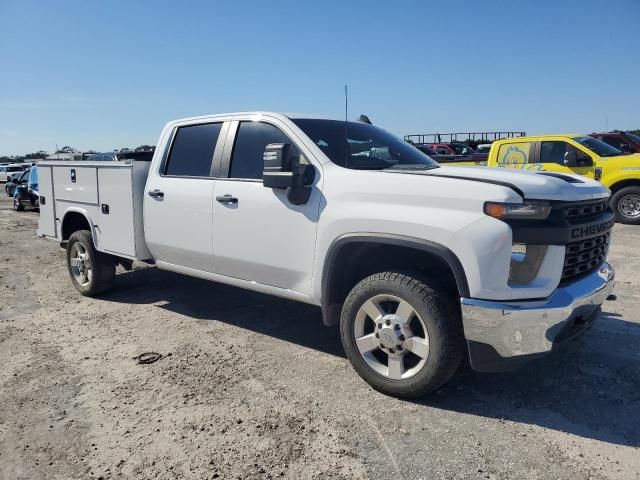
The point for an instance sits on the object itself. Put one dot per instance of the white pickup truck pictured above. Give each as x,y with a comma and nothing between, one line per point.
421,266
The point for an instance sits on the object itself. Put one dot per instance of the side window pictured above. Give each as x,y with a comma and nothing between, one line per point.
553,152
613,141
514,154
192,150
251,140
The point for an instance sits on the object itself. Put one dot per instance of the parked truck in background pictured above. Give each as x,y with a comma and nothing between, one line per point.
577,154
626,142
421,266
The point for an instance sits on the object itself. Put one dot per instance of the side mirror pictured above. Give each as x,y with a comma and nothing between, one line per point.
574,158
284,170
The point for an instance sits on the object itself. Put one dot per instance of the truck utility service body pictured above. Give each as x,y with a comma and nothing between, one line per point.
411,259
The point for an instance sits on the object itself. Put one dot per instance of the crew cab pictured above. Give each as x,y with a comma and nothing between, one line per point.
577,154
421,266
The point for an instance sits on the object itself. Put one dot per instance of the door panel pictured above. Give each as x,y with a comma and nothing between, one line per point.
178,225
550,155
47,221
178,214
261,237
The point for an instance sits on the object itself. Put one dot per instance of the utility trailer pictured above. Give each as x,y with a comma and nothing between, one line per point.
106,195
472,139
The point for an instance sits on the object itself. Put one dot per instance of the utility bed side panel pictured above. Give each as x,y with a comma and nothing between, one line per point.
47,220
114,223
78,184
139,176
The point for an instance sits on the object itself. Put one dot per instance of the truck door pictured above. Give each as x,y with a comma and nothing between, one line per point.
178,219
554,156
258,234
43,179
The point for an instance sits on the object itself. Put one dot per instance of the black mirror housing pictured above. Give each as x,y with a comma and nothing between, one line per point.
575,158
283,170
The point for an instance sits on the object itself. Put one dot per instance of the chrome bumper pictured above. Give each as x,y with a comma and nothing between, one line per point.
498,332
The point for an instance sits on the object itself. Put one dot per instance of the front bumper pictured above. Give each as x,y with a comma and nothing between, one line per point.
503,335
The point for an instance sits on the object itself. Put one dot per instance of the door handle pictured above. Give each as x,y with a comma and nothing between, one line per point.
228,198
156,193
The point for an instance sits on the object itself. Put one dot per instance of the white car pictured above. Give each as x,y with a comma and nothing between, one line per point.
7,171
421,266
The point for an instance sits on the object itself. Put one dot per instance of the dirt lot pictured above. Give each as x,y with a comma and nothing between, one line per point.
255,387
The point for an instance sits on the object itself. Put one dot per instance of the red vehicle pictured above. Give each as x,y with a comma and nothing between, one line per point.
462,150
624,141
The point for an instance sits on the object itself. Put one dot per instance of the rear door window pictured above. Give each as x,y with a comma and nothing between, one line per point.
192,150
251,141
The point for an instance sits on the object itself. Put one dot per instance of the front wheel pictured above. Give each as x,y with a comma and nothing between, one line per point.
626,205
91,272
402,334
17,204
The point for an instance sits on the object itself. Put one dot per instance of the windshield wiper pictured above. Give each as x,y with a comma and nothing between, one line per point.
414,166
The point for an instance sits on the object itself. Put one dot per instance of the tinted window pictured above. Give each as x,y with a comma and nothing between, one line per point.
598,146
553,152
634,137
613,141
33,178
251,140
144,156
362,146
462,149
192,150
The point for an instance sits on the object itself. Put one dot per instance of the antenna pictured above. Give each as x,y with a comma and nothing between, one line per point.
346,127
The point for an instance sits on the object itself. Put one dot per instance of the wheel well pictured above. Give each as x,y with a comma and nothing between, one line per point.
355,260
634,182
72,222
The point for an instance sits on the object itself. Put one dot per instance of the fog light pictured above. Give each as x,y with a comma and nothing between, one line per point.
526,261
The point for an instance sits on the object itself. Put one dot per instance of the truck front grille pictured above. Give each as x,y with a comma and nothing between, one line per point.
585,256
584,211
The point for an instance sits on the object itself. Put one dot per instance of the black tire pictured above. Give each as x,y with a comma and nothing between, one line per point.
620,196
441,316
102,265
17,205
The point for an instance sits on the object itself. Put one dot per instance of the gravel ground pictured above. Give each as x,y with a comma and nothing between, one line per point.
255,387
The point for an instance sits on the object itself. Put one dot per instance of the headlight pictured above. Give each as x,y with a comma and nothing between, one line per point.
526,261
517,211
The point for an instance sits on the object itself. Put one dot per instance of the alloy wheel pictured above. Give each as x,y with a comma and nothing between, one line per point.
391,337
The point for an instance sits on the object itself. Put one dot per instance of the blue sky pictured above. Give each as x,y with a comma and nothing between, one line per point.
104,75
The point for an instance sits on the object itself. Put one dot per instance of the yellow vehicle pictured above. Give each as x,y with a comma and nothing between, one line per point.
577,154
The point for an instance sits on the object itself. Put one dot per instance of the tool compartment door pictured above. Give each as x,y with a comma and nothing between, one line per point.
115,227
77,184
47,221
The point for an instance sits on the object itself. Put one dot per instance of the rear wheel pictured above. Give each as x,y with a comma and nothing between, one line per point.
626,205
402,334
91,272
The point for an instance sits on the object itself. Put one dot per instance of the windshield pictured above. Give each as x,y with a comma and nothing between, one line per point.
14,169
633,137
598,146
462,149
366,147
33,178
